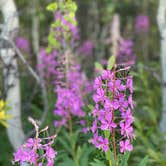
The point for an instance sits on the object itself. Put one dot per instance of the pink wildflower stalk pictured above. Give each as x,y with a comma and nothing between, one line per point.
36,150
70,99
112,111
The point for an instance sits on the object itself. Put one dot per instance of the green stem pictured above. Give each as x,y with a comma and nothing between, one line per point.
72,142
110,163
108,153
108,157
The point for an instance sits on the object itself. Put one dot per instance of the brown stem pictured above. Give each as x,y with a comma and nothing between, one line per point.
113,130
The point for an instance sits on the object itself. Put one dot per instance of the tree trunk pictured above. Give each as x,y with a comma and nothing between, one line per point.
11,79
161,18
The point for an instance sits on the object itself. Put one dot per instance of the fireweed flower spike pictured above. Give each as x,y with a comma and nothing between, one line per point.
112,112
36,151
70,100
70,83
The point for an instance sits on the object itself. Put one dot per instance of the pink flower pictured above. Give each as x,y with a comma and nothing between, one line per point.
125,146
86,48
129,84
99,96
103,144
95,111
50,152
125,52
29,151
100,142
107,125
122,102
130,101
127,115
85,130
112,110
107,75
23,44
142,23
126,129
97,83
94,126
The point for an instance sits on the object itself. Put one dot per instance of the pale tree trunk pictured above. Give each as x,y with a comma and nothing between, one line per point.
11,80
161,18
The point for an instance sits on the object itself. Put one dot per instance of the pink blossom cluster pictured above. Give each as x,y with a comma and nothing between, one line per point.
61,31
70,99
52,63
35,151
86,48
142,23
48,63
49,66
112,111
23,44
125,52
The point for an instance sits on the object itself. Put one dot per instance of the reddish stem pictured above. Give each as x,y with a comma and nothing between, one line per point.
113,130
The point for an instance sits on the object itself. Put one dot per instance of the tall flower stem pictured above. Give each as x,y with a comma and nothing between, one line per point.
72,142
113,130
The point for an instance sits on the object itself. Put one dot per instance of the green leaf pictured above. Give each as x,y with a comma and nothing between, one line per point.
48,49
86,151
98,66
97,163
71,6
66,145
56,24
67,162
91,107
125,159
52,41
111,62
52,7
144,161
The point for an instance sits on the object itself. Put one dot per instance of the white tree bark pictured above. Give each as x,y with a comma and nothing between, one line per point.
11,80
161,18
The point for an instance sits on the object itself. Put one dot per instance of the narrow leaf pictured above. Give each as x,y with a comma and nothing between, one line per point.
144,161
98,66
52,7
111,62
125,159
